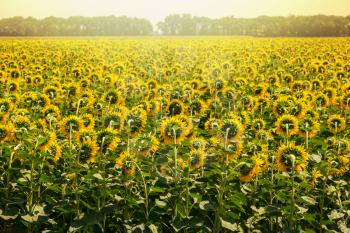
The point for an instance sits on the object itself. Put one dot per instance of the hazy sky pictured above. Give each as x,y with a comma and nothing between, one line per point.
156,10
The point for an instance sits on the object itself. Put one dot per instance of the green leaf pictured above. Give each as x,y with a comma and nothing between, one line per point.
161,204
205,205
230,226
309,200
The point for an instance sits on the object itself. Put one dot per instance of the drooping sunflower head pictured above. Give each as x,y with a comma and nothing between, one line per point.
289,155
6,106
45,140
282,105
233,150
22,122
146,144
308,126
198,143
336,123
87,151
126,162
175,107
212,124
196,107
55,151
173,130
86,134
112,97
135,120
264,135
231,129
258,124
71,125
105,138
287,125
43,100
6,132
113,120
197,158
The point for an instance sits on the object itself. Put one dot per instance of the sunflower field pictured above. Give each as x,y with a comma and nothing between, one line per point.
175,135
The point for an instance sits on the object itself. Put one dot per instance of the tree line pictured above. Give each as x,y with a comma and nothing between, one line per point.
75,26
178,24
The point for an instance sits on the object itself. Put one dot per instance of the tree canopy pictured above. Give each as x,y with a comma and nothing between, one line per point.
178,24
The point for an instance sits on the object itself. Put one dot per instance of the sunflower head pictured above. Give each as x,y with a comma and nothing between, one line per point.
173,130
135,120
71,125
287,125
231,129
6,132
289,155
146,145
126,162
87,151
197,158
336,123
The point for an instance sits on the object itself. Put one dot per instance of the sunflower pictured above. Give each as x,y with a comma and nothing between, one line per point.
264,135
145,105
198,143
105,138
246,172
6,132
134,120
88,121
86,100
13,86
175,107
46,140
197,158
114,143
22,122
231,129
43,100
55,151
87,151
86,134
71,90
146,145
51,111
187,121
285,155
298,109
126,162
173,130
315,175
321,100
336,123
262,103
212,124
287,125
196,107
258,124
5,108
71,125
281,106
29,99
309,125
52,92
345,100
233,150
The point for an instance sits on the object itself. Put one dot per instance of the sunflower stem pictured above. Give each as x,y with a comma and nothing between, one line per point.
292,203
175,152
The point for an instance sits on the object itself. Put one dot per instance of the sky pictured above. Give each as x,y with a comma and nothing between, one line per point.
157,10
